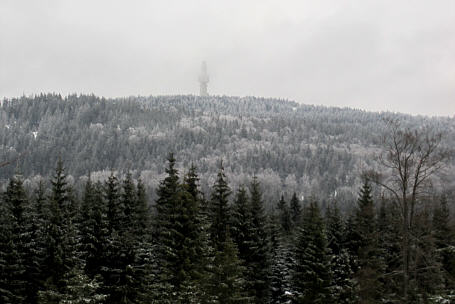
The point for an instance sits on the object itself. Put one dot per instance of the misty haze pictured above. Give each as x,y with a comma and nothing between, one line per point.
227,151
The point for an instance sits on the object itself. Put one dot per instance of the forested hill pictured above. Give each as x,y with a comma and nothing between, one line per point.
288,146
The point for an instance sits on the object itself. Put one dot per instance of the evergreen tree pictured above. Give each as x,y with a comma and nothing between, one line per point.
390,248
35,260
295,209
116,254
312,277
6,294
204,261
280,257
241,223
114,206
427,278
219,209
227,281
284,215
344,286
18,245
258,262
368,254
166,239
80,289
180,240
61,254
444,241
334,229
93,227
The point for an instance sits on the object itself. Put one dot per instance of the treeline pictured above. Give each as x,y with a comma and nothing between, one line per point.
290,147
110,246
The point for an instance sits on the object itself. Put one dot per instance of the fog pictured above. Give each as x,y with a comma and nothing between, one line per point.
373,55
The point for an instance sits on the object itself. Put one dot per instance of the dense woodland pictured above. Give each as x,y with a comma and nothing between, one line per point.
289,147
249,214
108,245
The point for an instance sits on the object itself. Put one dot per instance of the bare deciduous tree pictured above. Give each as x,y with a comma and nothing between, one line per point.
410,159
6,163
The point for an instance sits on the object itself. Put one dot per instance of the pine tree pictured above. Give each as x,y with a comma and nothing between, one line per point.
312,277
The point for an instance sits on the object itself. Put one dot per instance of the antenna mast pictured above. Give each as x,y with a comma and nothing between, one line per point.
203,80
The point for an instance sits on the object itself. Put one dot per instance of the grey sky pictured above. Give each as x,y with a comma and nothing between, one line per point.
376,55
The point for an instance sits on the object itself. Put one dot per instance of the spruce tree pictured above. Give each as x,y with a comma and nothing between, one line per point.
258,262
370,264
295,210
312,279
334,229
444,241
115,256
16,270
227,281
61,254
241,223
390,248
219,209
344,286
93,227
280,257
180,239
284,215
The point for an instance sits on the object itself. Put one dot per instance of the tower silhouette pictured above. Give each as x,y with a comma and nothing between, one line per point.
203,80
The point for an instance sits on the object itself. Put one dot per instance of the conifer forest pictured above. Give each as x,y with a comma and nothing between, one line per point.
185,199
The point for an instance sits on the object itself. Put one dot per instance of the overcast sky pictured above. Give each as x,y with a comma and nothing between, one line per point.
376,55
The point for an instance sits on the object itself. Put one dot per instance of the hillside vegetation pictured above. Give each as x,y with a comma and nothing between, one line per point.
311,150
